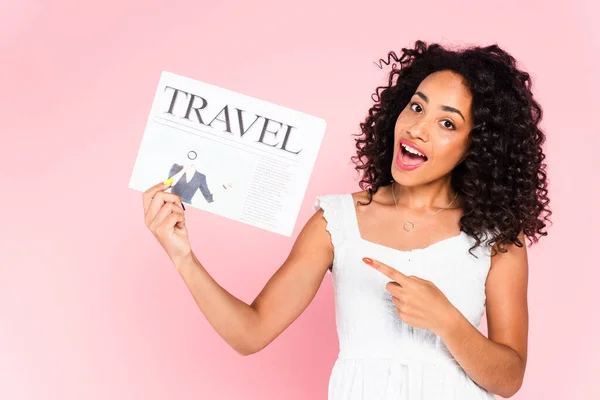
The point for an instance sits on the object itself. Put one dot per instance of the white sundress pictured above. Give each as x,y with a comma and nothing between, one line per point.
380,356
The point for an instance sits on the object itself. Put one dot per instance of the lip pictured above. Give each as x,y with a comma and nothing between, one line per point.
399,162
414,146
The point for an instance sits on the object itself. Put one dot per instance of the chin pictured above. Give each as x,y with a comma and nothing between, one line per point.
406,179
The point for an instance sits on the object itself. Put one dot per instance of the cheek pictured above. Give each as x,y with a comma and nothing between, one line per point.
449,150
403,119
397,127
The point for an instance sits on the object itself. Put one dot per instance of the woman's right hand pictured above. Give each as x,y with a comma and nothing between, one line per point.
164,216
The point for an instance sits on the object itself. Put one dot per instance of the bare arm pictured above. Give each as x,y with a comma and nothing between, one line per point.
250,328
498,363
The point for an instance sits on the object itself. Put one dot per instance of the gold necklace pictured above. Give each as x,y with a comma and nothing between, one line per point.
408,225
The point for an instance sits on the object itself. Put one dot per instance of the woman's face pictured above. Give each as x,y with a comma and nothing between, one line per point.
437,121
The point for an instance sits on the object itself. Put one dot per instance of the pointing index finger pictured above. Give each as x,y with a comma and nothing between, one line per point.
385,269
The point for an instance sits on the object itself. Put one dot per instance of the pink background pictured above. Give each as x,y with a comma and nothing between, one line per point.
90,307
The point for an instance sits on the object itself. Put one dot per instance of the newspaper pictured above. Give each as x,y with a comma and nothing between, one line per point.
228,153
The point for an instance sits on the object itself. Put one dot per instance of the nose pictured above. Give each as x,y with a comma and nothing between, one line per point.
419,130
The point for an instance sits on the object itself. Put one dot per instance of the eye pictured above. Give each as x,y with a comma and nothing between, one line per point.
448,124
415,104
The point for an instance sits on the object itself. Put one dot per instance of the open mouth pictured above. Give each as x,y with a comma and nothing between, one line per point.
411,156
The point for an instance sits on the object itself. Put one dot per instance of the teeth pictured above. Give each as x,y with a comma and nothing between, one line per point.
411,150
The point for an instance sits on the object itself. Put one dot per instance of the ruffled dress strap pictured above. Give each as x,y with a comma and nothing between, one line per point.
339,212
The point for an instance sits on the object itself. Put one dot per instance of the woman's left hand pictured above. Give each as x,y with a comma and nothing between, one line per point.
418,301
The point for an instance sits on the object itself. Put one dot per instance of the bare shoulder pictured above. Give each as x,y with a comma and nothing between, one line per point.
314,238
362,196
365,197
314,230
364,203
515,257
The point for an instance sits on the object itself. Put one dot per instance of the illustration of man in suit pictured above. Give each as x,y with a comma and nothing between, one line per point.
187,180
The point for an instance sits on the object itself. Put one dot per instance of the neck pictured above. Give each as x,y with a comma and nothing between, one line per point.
426,198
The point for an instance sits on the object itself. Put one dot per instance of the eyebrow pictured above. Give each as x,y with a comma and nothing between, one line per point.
445,108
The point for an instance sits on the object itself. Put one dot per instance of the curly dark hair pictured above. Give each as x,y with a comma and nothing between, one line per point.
503,180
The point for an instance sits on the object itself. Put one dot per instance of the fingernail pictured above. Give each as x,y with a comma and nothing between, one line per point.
168,182
368,261
182,206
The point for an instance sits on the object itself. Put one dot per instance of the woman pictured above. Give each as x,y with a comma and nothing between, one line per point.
453,181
